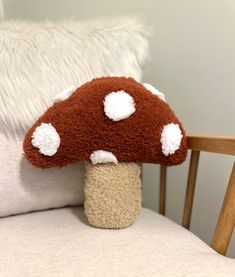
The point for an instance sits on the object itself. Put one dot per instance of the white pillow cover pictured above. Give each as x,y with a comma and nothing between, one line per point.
37,61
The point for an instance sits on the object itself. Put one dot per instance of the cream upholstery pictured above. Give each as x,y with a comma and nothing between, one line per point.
60,243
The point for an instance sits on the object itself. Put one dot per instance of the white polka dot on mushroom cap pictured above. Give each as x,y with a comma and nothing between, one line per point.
46,139
119,105
171,137
155,91
101,156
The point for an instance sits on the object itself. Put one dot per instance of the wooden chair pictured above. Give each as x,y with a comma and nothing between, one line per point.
226,220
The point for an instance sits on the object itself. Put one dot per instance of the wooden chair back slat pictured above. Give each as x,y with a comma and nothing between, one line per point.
226,221
192,177
162,200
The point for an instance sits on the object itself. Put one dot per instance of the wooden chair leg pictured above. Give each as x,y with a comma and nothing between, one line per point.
192,176
226,221
162,199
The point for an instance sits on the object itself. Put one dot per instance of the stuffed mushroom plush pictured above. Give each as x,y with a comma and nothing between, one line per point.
114,124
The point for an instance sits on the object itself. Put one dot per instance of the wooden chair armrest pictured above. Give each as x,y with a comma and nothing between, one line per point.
215,144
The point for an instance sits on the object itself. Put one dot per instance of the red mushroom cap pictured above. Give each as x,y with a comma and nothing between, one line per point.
114,114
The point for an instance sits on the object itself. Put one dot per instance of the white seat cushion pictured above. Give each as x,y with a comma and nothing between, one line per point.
61,243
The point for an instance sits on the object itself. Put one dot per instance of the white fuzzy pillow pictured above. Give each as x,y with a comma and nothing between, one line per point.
37,61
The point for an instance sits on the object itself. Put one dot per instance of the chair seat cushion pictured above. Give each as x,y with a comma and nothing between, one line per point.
61,243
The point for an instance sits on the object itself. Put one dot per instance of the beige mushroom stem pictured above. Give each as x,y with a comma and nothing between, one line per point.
112,194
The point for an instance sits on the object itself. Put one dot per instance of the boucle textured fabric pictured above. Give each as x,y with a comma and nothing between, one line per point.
109,119
37,61
79,125
112,194
60,243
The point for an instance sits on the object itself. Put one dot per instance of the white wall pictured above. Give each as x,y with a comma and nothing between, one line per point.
193,62
1,10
